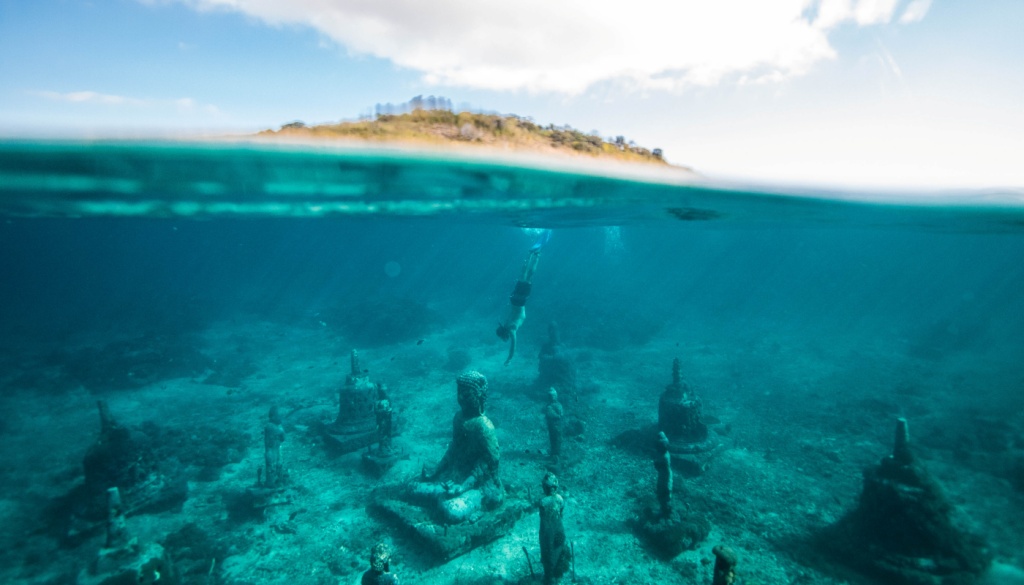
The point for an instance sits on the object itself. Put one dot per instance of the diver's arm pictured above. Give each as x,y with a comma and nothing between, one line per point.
511,346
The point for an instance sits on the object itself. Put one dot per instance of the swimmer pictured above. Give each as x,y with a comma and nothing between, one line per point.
516,314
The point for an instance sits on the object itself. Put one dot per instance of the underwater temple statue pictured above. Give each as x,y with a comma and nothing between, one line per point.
668,530
384,456
272,488
355,427
379,572
903,529
555,554
680,413
466,479
125,458
462,503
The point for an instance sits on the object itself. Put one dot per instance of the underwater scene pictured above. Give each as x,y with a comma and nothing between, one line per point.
239,364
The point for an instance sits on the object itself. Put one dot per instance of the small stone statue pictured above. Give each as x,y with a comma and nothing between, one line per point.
117,528
273,436
725,565
663,463
553,416
667,529
380,460
555,554
380,567
466,479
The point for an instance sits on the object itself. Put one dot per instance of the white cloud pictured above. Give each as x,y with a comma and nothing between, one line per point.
566,46
915,11
87,97
832,12
185,104
874,11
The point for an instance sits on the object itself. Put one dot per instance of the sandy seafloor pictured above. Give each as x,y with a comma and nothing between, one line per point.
800,417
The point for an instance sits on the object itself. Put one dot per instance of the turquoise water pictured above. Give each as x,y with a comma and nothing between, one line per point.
266,180
192,286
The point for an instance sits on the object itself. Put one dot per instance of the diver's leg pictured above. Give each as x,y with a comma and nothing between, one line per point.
530,266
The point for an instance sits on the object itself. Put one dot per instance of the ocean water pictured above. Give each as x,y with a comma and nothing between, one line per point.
193,286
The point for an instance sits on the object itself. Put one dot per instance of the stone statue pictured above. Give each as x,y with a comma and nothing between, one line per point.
466,479
120,457
117,528
667,529
725,566
381,459
679,417
270,490
555,554
903,530
380,567
273,436
663,464
679,411
125,457
553,417
462,503
355,427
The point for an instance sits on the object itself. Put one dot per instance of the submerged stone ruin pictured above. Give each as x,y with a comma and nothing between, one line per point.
903,529
355,426
680,417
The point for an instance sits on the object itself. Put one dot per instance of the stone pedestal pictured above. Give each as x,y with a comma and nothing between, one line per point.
132,565
670,534
445,542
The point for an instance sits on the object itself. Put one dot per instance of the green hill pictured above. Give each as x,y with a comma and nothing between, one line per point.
503,132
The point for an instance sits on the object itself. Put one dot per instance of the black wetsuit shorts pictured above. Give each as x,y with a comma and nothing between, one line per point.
520,294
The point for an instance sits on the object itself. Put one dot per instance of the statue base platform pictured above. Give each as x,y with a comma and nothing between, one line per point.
349,437
378,462
130,565
691,459
446,542
671,534
346,439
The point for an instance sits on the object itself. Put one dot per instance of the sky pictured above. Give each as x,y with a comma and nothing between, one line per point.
855,93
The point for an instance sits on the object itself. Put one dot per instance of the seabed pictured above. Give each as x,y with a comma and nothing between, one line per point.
791,463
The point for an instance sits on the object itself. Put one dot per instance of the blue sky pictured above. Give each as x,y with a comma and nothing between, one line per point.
850,92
